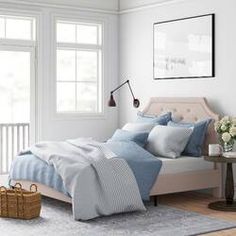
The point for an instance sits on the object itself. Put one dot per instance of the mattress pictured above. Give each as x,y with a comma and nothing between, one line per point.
184,164
29,167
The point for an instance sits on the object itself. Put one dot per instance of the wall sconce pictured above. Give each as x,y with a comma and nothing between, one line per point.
112,102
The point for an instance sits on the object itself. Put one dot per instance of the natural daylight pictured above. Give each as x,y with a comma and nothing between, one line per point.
117,118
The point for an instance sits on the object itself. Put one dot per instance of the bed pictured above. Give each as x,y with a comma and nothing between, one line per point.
178,175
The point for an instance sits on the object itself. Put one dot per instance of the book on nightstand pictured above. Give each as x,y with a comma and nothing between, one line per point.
229,154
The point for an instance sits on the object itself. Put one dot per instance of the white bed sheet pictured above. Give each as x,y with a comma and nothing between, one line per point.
184,164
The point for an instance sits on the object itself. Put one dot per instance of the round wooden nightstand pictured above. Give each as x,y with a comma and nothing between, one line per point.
228,204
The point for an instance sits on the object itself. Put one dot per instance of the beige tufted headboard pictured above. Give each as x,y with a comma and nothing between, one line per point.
185,109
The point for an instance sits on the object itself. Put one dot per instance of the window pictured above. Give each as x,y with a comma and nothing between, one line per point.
17,38
17,86
79,67
16,27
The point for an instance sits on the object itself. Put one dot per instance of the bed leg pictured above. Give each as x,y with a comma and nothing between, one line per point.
155,200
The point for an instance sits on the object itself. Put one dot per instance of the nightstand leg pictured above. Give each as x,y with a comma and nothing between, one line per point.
229,185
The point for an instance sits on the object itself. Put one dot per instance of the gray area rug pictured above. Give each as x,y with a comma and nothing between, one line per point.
56,219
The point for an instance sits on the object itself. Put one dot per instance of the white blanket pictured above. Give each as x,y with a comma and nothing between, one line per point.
99,183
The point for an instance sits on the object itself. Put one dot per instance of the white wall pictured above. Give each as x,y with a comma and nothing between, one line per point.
136,56
136,40
54,128
49,127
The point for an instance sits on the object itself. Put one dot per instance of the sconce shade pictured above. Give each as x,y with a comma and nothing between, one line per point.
136,103
111,102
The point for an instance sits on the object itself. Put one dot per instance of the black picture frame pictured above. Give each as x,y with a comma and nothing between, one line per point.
212,47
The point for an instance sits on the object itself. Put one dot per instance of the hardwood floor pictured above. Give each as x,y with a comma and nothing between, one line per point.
198,202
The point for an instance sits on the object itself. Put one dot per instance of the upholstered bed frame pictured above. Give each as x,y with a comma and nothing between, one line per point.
184,109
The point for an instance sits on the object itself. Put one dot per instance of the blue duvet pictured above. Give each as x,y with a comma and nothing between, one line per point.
144,165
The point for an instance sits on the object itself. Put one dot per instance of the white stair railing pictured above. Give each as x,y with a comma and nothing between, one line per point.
13,138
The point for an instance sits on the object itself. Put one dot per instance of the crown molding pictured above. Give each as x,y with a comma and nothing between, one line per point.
89,9
59,6
148,6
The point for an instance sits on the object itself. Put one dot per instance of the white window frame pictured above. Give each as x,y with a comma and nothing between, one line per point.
89,20
36,64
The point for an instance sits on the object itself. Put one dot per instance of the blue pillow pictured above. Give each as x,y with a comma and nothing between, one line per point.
159,120
123,135
196,140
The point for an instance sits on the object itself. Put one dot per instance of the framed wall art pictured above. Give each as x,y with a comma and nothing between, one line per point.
184,48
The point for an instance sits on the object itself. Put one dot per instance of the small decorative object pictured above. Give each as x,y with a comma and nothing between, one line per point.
230,154
184,48
215,150
112,103
19,203
226,129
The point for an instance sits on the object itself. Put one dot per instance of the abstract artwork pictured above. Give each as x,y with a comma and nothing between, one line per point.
184,48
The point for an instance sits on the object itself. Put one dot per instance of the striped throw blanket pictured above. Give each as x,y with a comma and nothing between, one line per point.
99,183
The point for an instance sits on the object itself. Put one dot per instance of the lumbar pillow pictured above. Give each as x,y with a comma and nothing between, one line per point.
138,127
123,135
160,120
168,141
197,138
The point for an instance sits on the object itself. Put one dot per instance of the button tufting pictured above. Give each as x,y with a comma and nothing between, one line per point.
188,110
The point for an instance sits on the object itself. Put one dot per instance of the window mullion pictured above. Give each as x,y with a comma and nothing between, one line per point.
76,72
5,27
98,34
79,46
76,34
17,42
32,30
98,82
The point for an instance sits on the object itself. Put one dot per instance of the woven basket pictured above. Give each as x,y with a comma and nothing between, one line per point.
19,203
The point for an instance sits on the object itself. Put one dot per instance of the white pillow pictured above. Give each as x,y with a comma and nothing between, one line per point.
139,127
168,141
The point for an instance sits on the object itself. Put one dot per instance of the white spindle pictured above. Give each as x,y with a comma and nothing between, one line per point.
28,130
1,156
23,134
7,148
11,142
18,137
